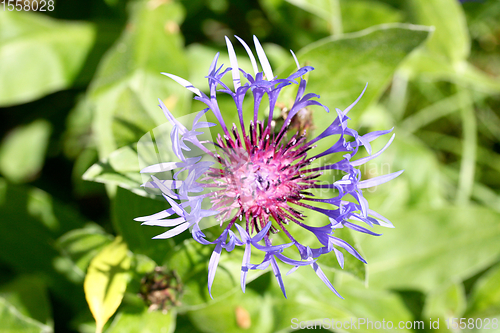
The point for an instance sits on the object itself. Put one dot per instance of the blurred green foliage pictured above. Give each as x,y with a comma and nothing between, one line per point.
79,88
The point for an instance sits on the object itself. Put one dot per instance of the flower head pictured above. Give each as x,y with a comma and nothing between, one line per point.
261,179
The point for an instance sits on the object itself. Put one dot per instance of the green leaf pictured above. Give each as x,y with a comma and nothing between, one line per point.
81,187
120,168
430,247
129,76
321,8
351,265
309,299
30,248
133,316
22,152
142,320
344,65
477,79
451,38
326,9
328,261
78,128
485,297
129,125
12,321
28,294
183,325
79,246
236,313
143,265
39,55
112,3
452,144
350,15
125,207
436,68
43,220
106,281
359,15
447,302
190,260
419,185
445,54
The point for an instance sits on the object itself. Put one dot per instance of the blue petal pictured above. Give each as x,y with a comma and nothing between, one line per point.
245,265
277,274
323,278
212,266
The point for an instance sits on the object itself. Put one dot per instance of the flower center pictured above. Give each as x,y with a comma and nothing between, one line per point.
260,183
259,177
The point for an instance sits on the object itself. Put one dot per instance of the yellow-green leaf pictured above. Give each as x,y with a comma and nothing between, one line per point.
106,281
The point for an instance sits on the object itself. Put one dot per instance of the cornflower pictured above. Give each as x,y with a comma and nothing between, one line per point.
260,179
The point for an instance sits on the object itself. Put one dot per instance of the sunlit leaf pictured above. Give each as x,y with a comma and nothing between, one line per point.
190,260
141,320
358,15
106,281
329,10
430,247
350,15
120,168
309,300
344,65
351,264
420,184
236,313
485,297
22,152
129,76
451,38
447,302
39,55
129,122
322,8
423,62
